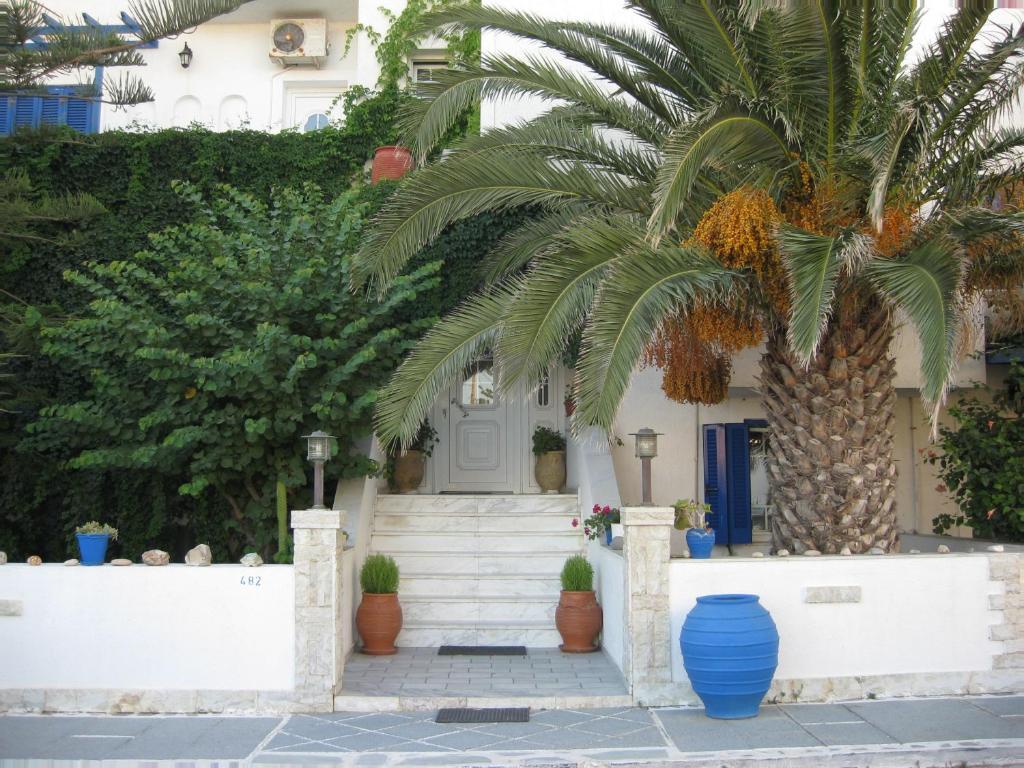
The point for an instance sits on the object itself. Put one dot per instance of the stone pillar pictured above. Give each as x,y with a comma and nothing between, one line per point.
319,651
648,666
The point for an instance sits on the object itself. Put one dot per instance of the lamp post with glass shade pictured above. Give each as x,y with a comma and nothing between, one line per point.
318,451
185,56
646,449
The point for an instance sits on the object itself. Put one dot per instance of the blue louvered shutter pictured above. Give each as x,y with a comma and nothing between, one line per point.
737,450
715,486
6,115
82,115
27,111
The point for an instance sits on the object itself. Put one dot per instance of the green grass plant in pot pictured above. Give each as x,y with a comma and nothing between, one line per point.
93,539
379,616
549,448
410,464
578,616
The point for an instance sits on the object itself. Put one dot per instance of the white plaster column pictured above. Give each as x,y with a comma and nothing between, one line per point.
645,548
319,649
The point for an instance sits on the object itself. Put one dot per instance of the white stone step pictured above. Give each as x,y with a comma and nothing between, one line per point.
528,522
461,585
569,542
505,564
433,608
457,504
533,634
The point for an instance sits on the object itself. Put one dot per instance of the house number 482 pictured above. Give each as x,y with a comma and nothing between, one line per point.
250,581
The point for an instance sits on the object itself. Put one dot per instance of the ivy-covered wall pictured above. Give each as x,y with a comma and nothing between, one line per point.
130,174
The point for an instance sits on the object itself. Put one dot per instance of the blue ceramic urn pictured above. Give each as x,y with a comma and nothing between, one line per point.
730,651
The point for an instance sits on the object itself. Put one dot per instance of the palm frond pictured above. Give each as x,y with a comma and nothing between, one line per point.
925,285
632,302
436,362
535,237
814,264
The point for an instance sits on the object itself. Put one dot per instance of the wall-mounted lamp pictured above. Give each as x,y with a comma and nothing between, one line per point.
646,449
318,451
185,56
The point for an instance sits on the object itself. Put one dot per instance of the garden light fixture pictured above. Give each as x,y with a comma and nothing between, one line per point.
185,56
318,451
646,449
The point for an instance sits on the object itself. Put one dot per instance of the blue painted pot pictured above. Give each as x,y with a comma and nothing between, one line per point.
92,547
608,535
730,651
700,542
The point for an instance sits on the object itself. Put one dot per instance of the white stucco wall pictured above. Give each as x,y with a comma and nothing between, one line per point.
161,628
940,603
609,569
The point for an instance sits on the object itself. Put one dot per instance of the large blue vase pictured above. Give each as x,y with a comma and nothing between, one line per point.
730,651
700,542
92,547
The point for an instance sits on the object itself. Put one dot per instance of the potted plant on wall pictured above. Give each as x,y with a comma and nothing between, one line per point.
409,466
691,516
603,523
578,616
93,539
549,448
379,616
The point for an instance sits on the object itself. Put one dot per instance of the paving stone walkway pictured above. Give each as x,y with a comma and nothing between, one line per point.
420,672
921,732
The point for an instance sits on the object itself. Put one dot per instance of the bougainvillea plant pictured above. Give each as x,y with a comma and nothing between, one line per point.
599,520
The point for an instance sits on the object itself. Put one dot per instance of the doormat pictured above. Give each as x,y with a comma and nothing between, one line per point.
510,715
482,650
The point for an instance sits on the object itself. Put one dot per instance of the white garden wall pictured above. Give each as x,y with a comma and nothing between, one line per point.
608,567
223,627
915,613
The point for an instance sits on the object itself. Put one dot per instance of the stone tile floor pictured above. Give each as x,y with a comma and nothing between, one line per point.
974,730
420,672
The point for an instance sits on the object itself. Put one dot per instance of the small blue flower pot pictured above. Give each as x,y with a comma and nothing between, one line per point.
92,547
608,535
700,542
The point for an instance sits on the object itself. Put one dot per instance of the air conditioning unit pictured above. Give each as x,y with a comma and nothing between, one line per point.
298,41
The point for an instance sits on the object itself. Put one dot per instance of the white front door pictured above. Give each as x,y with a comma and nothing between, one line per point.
481,430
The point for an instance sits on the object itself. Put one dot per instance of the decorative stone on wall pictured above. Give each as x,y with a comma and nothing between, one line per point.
647,665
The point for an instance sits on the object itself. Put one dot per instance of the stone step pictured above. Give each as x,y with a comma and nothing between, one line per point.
471,564
457,504
528,522
569,542
533,634
444,609
461,585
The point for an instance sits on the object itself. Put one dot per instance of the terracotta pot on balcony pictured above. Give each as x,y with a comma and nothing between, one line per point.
391,162
578,619
409,468
379,620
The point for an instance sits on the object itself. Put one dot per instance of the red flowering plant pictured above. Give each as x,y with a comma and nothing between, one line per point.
599,521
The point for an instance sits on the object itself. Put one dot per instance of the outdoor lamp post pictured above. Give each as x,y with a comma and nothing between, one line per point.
318,451
185,56
646,449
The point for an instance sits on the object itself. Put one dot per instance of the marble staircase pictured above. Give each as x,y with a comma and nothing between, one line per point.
478,570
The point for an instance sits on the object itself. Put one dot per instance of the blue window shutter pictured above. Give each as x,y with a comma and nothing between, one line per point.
6,115
737,449
716,493
50,114
27,111
80,115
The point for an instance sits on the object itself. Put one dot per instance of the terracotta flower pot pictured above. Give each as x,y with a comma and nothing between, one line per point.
379,620
409,471
390,163
550,471
578,619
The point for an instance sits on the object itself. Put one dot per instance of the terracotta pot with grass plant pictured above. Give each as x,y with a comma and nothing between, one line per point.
379,617
578,617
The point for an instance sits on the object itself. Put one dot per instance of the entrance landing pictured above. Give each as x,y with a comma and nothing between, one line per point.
418,678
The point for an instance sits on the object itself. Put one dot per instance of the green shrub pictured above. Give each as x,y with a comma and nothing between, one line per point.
546,439
577,575
379,575
93,527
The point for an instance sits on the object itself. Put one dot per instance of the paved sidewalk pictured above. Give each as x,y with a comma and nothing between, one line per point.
919,732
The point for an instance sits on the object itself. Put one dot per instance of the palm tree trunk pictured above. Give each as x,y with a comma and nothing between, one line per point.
830,465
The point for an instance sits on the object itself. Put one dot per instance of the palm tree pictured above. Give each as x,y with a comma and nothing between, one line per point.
673,145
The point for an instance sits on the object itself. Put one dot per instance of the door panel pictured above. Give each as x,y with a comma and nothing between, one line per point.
479,435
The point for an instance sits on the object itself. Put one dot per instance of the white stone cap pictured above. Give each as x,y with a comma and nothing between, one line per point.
318,518
648,515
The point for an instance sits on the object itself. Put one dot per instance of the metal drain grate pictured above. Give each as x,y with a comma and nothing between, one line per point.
482,650
508,715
